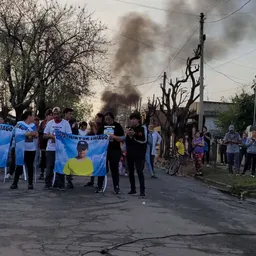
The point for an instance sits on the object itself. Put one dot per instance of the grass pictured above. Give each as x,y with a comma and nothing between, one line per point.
239,183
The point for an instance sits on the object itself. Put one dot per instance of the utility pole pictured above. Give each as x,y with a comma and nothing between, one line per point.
201,42
254,89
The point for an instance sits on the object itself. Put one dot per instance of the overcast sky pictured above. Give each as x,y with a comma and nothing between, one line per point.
241,67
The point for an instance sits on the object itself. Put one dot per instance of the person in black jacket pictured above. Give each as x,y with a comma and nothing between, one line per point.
136,146
116,133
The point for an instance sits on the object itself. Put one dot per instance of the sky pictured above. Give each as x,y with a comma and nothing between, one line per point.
224,75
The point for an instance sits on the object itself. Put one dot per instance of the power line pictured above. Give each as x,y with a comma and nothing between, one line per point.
166,10
155,8
214,21
237,64
237,58
212,68
176,55
149,45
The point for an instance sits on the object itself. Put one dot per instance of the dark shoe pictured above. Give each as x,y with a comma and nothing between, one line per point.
30,186
117,191
154,176
47,186
41,177
132,193
70,185
98,190
142,194
13,186
55,185
89,184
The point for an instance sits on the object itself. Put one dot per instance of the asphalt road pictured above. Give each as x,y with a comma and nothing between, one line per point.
196,220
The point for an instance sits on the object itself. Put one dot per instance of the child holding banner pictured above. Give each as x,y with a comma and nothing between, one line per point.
26,146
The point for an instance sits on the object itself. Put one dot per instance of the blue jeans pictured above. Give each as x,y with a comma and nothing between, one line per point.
233,159
149,163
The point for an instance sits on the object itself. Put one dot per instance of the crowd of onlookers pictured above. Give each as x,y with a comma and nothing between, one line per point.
235,150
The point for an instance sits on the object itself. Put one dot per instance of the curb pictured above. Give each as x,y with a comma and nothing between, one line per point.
226,188
215,184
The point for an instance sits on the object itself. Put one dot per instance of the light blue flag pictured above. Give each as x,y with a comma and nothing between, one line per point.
6,132
20,131
81,155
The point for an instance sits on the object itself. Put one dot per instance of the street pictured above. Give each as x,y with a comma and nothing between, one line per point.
190,214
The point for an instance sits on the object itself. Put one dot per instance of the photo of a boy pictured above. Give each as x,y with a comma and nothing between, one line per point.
80,165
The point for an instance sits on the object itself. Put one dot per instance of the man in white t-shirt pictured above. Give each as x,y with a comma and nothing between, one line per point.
57,124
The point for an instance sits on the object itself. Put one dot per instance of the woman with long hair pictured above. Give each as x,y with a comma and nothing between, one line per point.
29,150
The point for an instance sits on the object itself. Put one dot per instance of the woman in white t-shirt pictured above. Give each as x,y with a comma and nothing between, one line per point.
83,129
29,150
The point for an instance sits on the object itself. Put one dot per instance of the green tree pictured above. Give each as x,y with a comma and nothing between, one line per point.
240,113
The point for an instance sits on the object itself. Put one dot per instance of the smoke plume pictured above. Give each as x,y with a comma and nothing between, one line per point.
221,37
129,59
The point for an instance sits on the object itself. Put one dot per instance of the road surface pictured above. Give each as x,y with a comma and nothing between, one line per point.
196,220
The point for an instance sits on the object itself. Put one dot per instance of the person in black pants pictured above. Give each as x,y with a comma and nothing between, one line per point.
99,129
116,133
29,151
207,139
43,141
136,146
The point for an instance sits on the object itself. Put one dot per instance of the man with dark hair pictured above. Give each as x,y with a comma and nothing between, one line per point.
68,114
136,145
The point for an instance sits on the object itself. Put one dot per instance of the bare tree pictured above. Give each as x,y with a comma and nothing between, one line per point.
176,100
45,44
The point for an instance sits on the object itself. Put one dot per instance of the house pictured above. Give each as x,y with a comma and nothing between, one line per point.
211,111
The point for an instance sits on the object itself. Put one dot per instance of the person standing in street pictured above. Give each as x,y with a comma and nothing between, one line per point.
136,145
243,148
57,124
153,140
232,139
68,114
251,153
98,129
29,150
43,141
198,152
116,133
207,140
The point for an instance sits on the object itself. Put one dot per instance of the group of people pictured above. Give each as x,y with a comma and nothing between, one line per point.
136,143
233,149
197,148
239,148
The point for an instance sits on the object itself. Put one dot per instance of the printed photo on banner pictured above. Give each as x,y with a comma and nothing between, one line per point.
6,133
81,155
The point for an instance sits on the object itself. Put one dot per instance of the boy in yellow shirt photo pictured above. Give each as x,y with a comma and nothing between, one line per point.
80,165
181,151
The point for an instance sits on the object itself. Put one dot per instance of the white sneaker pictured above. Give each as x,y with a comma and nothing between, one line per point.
8,176
253,176
207,165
